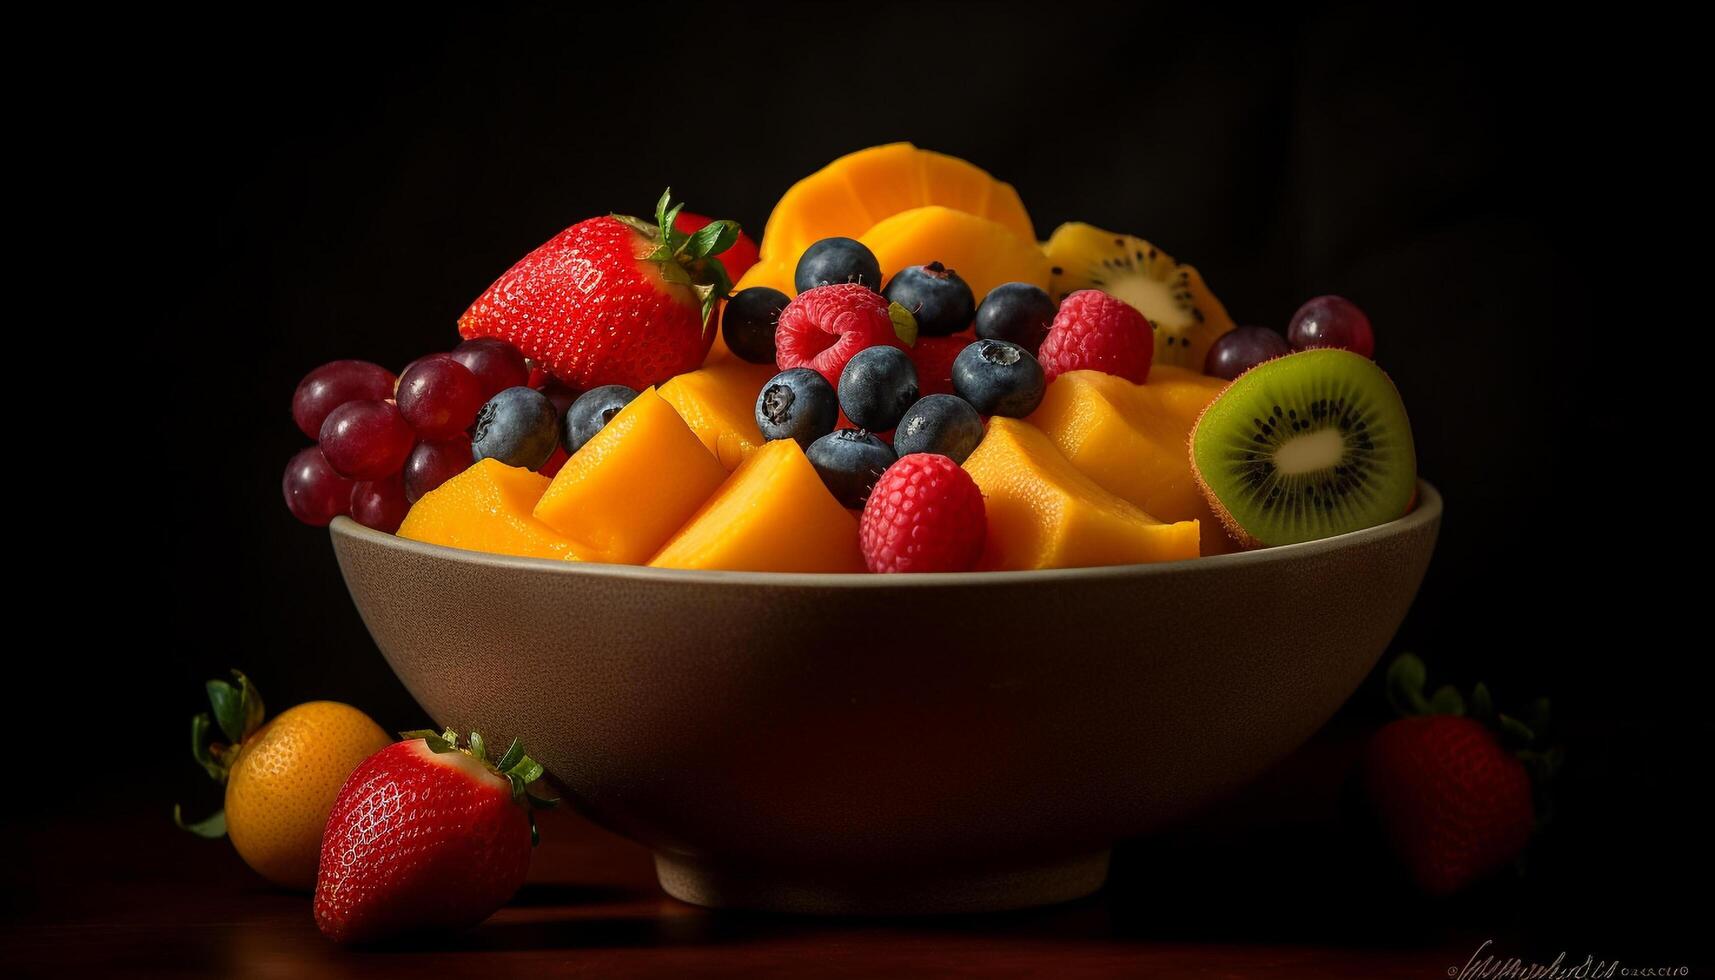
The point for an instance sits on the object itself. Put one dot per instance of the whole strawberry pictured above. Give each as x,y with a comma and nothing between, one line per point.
613,300
1453,802
425,836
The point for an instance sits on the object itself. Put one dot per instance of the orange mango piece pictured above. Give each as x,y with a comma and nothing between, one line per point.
773,514
628,489
1134,439
718,402
983,252
487,508
1044,513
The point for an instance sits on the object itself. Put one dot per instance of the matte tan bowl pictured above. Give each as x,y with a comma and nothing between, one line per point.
893,744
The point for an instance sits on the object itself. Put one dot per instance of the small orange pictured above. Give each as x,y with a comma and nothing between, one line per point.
281,777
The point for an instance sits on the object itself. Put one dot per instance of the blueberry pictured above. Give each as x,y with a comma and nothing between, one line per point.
945,424
518,427
797,403
594,409
876,387
941,301
999,378
1016,312
834,260
747,323
849,462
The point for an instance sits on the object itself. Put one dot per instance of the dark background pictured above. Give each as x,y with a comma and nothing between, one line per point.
343,188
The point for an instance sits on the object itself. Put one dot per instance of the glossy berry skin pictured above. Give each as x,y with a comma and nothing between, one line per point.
1093,331
876,387
941,301
1331,321
332,385
824,327
434,463
366,440
1453,804
497,364
380,504
418,843
314,493
849,462
943,424
925,514
933,358
1016,312
999,378
748,322
439,396
797,403
1242,348
583,305
834,261
518,427
593,410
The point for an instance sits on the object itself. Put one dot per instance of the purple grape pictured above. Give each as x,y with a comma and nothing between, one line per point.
1332,321
1242,348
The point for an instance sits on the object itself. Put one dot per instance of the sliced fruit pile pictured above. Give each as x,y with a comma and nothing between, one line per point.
618,399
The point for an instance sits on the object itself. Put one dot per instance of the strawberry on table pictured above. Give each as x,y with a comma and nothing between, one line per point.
1454,803
611,300
425,836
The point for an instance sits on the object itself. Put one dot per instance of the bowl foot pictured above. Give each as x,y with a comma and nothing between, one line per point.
987,890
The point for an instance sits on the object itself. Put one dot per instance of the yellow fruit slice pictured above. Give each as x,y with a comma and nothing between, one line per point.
1186,316
718,402
1044,513
983,252
487,508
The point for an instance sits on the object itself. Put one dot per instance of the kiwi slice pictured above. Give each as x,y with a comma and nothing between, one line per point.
1305,446
1172,296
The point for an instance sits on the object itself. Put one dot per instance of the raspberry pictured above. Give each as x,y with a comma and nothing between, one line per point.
925,514
1097,332
934,359
823,327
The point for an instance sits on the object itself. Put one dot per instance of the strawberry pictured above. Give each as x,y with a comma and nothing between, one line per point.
1454,804
737,260
425,836
613,300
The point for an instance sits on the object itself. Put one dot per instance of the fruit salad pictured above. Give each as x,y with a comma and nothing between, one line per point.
896,377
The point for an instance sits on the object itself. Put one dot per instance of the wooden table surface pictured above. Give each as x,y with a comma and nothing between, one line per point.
101,895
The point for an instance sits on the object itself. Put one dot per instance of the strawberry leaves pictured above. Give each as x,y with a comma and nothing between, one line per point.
236,709
687,259
1526,737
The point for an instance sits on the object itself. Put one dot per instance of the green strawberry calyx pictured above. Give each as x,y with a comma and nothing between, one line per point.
1525,735
687,259
237,710
516,767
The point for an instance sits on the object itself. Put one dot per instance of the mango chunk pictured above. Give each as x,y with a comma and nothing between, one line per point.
718,402
1134,439
628,489
1044,513
773,514
487,508
983,252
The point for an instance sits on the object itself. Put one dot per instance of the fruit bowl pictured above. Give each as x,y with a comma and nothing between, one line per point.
891,744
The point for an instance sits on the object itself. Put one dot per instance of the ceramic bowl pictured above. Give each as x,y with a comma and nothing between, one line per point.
897,744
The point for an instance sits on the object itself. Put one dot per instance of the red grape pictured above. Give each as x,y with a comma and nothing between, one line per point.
434,463
315,494
1242,348
561,394
439,396
496,363
380,504
332,385
1332,321
366,440
556,459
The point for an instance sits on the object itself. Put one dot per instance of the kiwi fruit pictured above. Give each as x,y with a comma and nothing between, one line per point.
1305,446
1186,316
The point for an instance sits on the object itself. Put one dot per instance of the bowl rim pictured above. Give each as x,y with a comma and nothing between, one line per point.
1427,512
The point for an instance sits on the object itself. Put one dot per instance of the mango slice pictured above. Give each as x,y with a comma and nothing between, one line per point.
628,489
718,402
487,508
773,514
1134,440
1044,513
983,252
